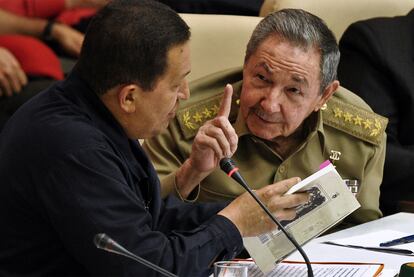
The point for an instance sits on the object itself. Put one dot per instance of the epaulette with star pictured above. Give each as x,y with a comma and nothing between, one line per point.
361,123
191,118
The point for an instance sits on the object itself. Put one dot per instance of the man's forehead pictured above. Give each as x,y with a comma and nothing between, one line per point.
178,60
297,76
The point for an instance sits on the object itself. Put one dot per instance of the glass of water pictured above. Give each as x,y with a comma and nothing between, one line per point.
230,269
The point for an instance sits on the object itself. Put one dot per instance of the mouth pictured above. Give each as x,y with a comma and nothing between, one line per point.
267,118
172,114
173,111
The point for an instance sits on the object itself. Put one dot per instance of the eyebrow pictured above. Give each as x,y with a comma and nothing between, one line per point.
265,66
300,80
186,74
295,78
181,77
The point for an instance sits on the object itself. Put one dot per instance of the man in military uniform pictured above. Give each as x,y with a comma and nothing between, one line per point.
288,116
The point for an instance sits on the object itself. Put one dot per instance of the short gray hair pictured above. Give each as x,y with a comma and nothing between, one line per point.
302,29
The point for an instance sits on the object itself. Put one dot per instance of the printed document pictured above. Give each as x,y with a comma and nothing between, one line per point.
330,202
319,270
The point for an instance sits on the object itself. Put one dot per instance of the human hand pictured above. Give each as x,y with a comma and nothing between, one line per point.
68,38
216,139
70,4
249,217
12,77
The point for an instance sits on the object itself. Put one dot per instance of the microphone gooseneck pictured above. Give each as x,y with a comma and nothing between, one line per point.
229,167
104,242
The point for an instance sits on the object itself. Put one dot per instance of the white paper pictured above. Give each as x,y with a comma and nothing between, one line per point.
319,270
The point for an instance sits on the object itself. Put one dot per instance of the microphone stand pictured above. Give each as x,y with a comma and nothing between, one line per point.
104,242
228,166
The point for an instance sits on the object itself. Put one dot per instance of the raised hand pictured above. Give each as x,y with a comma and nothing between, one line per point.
216,139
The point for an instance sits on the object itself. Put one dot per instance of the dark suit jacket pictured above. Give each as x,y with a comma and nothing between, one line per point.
68,172
377,63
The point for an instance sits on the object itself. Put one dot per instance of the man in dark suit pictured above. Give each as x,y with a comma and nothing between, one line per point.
377,64
71,165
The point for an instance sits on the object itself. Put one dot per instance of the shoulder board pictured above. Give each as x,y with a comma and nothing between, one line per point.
356,121
191,118
205,99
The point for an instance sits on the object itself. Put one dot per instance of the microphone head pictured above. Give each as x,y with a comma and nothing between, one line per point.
227,165
101,241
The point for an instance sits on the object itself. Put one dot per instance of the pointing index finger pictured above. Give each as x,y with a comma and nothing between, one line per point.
225,105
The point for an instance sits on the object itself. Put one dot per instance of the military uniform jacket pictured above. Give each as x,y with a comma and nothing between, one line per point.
68,172
347,132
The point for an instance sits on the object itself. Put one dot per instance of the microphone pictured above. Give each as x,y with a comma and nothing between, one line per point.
104,242
229,167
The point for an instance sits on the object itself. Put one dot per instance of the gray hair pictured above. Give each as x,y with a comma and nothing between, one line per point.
304,30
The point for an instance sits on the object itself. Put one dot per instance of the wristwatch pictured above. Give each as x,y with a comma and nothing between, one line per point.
47,31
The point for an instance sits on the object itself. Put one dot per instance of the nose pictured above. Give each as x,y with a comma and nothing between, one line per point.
184,91
272,101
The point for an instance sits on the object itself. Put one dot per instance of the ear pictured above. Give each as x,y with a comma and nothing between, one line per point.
127,97
327,93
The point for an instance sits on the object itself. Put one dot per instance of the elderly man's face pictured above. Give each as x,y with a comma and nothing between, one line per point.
281,87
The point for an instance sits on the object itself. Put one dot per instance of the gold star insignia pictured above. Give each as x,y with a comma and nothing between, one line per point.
374,133
348,117
215,109
358,120
367,124
198,117
186,120
337,112
207,113
238,102
377,124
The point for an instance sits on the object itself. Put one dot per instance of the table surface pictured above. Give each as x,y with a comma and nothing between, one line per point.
318,252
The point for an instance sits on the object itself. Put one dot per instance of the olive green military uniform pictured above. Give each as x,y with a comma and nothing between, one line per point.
346,132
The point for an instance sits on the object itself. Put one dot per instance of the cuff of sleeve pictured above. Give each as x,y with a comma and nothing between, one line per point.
170,181
229,235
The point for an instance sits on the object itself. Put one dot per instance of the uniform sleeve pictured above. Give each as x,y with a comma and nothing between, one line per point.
87,193
369,192
167,153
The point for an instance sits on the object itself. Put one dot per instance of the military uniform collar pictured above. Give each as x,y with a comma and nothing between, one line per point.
240,126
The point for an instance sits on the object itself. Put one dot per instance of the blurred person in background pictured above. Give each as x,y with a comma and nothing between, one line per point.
377,64
39,42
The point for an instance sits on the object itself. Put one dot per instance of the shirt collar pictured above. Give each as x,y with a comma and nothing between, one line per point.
240,126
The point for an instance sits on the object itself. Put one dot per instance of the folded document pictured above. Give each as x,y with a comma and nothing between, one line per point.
330,202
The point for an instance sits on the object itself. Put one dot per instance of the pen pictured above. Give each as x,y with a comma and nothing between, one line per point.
379,249
398,241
